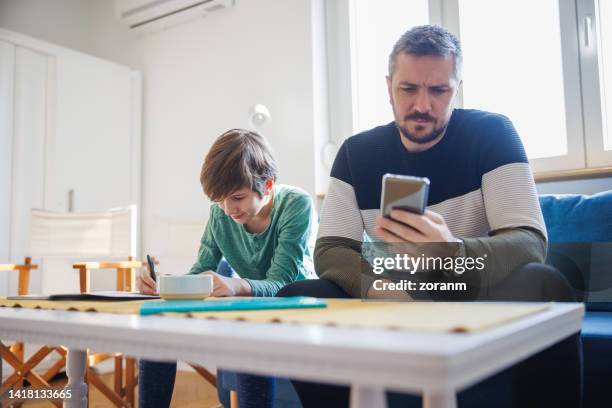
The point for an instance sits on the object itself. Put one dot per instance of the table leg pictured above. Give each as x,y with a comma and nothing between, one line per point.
75,370
440,399
367,397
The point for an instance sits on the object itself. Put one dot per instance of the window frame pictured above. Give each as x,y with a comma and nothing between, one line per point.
575,158
596,155
581,81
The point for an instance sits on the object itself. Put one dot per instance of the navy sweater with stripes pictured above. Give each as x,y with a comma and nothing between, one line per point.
481,183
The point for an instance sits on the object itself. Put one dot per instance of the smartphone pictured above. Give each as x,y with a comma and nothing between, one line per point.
403,193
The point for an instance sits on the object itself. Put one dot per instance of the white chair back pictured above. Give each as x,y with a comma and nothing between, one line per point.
104,234
58,239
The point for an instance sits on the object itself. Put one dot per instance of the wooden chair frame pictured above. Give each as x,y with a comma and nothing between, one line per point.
14,354
126,281
122,393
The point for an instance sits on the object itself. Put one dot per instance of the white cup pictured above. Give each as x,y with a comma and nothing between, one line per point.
172,287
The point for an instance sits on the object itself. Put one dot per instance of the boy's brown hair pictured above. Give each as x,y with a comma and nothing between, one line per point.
239,158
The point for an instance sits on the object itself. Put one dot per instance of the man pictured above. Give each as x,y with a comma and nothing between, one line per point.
482,197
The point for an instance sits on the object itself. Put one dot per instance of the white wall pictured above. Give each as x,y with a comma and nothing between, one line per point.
201,78
587,186
89,26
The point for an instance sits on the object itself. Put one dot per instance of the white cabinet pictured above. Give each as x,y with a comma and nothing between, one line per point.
28,148
7,71
68,122
94,119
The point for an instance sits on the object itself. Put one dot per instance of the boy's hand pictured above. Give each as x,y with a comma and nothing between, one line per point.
224,286
145,284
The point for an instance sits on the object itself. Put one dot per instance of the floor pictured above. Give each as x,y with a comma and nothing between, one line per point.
190,391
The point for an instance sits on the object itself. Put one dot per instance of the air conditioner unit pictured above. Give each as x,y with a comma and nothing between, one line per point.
146,16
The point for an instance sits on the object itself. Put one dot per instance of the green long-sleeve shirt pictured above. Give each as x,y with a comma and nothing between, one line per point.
268,260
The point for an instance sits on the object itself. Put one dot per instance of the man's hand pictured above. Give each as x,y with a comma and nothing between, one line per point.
145,284
416,234
224,286
405,226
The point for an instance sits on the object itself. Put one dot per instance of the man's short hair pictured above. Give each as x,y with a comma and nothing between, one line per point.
430,40
239,158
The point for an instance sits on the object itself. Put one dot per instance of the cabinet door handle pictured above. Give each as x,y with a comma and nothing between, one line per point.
587,31
70,200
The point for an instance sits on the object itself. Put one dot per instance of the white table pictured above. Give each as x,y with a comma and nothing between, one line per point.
370,361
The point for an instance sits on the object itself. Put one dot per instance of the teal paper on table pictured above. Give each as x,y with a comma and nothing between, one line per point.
226,305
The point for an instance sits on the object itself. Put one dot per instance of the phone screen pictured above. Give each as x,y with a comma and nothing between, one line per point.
404,193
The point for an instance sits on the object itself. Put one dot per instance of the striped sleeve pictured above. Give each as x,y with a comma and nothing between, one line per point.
511,199
340,215
508,188
337,253
517,233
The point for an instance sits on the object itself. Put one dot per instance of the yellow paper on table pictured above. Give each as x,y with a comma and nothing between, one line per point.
415,316
124,307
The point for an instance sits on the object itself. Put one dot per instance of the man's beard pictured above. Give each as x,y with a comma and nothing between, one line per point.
433,135
423,139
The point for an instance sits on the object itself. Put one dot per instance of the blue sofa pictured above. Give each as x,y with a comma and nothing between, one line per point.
580,246
580,236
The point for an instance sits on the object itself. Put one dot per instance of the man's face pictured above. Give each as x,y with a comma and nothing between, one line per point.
243,204
422,92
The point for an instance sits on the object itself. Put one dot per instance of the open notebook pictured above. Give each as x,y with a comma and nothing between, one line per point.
109,295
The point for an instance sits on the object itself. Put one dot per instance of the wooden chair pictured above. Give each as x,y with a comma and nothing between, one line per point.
14,354
122,392
104,240
125,282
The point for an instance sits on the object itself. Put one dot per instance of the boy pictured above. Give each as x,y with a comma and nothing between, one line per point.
264,230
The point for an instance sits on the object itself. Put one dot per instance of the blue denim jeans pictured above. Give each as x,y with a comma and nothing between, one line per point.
156,383
156,379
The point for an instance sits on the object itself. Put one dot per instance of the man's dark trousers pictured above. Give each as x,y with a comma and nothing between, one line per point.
551,378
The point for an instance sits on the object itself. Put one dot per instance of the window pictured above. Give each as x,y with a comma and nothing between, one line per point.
516,70
375,26
604,23
545,64
559,60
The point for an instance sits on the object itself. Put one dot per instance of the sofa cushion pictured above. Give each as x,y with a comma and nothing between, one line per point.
578,218
580,244
597,355
597,324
